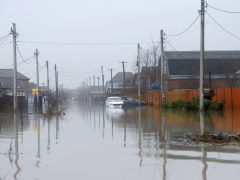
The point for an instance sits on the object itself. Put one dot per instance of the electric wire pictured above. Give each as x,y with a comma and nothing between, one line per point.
185,30
21,62
222,10
4,39
23,59
224,29
5,36
78,44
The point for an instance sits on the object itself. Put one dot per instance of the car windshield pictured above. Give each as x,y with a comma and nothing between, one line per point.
114,99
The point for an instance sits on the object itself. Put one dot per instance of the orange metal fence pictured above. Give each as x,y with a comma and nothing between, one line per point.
231,96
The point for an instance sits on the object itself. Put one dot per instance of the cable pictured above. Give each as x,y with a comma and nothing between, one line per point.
4,39
185,29
21,62
5,36
23,59
78,44
225,11
224,29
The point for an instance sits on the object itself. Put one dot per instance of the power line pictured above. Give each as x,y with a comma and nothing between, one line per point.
222,10
78,44
224,29
189,27
5,36
4,39
23,59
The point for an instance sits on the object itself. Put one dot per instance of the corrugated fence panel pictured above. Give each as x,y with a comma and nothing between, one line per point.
230,95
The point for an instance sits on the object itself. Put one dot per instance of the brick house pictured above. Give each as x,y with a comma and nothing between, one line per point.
6,82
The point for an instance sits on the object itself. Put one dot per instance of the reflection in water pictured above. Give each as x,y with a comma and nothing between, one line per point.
204,161
164,142
204,153
94,116
125,132
99,119
57,128
16,147
112,128
140,137
49,131
38,140
103,119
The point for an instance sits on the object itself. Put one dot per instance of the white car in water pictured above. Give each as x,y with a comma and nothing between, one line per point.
114,101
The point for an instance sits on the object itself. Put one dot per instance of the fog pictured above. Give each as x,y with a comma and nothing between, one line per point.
81,36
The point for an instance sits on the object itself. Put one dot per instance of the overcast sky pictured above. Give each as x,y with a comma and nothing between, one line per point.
106,21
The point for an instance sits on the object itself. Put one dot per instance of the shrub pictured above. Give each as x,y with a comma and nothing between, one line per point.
209,95
217,105
194,104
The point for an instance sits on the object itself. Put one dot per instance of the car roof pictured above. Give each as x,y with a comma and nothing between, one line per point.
114,97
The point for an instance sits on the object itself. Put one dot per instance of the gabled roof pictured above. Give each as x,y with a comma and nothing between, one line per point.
216,62
8,73
119,77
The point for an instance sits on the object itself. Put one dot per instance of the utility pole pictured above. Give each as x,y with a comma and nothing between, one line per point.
201,79
36,53
124,78
93,80
102,80
139,83
56,83
90,81
162,69
14,34
111,81
98,82
48,89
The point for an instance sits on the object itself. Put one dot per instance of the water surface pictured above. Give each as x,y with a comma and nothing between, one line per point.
91,142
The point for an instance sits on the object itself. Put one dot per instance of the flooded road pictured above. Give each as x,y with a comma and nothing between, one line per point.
91,142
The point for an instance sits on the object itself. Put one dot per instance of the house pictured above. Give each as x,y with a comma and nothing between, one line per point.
221,69
118,82
6,82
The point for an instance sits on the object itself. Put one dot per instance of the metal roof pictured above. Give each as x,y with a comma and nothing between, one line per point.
216,62
119,77
208,54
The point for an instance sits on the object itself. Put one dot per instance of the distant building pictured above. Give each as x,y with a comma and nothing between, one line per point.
96,92
118,82
6,82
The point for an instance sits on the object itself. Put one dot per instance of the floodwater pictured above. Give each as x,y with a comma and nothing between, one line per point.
91,142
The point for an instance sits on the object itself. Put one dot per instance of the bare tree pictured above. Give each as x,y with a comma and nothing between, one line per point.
150,65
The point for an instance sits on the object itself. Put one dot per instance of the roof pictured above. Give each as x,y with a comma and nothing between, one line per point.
208,54
119,77
216,62
8,73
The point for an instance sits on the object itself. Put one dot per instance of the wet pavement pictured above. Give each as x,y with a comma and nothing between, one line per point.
91,142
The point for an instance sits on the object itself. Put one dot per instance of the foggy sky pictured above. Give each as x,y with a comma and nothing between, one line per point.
106,21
